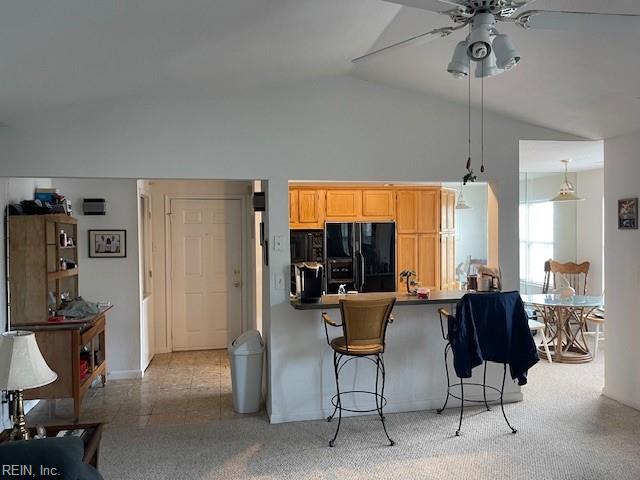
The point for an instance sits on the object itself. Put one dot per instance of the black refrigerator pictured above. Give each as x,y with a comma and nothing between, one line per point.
360,255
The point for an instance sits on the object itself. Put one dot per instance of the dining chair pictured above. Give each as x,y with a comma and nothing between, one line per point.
539,327
576,275
547,276
364,328
597,317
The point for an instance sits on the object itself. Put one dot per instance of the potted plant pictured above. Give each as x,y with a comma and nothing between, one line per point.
408,277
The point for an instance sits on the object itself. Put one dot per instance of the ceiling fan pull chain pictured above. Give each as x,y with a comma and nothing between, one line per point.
469,126
482,120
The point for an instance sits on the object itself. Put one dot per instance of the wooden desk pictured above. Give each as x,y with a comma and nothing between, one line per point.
91,440
61,345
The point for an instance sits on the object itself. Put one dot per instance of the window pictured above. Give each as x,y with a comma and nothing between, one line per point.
536,240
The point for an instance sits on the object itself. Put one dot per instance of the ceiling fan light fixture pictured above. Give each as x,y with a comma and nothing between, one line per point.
487,67
459,65
480,36
507,56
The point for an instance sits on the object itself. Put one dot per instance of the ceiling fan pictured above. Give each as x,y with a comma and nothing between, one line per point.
493,51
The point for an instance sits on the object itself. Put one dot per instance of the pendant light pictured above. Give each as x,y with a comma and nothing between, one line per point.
567,191
461,204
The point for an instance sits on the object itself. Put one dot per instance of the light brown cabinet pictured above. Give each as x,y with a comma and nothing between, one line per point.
418,212
344,204
293,207
429,260
306,208
424,216
407,258
407,211
37,278
448,210
447,261
378,205
429,209
63,347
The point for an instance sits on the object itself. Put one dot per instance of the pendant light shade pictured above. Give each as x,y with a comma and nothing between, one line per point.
461,204
567,191
459,65
506,54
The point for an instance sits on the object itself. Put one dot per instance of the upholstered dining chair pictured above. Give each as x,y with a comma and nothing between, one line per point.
364,328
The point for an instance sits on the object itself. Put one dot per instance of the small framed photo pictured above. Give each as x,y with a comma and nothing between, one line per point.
107,243
628,214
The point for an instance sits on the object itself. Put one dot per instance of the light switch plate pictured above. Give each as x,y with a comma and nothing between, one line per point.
278,243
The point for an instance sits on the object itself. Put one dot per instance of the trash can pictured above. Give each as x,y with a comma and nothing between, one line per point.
245,358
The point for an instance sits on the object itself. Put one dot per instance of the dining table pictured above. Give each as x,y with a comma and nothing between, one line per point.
565,320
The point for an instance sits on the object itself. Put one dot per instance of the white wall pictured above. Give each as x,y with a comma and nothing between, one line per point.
160,190
471,224
622,259
111,279
334,128
589,227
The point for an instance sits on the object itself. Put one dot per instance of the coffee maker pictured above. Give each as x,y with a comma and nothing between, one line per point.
309,281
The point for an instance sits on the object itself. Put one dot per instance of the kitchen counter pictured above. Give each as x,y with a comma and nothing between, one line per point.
414,363
437,297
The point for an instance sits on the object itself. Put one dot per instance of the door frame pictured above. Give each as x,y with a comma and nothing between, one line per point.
244,294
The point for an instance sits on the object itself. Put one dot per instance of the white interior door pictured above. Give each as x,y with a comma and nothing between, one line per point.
206,266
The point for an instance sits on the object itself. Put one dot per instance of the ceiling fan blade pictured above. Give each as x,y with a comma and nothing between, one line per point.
438,6
415,40
577,21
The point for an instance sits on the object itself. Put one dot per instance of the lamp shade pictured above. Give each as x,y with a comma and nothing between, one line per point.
21,363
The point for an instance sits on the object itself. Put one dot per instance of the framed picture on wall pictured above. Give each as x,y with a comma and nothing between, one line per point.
628,214
107,243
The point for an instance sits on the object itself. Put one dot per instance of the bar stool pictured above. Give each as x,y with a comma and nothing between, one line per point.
364,327
510,327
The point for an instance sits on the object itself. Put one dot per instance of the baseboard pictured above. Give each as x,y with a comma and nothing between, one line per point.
124,374
629,402
396,407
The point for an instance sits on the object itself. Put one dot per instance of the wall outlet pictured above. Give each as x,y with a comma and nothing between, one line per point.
278,243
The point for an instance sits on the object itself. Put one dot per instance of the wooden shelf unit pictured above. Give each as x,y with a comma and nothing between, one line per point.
35,268
61,345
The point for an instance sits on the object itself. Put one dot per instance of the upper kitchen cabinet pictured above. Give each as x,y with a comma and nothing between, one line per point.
407,211
447,210
378,205
306,208
429,210
344,204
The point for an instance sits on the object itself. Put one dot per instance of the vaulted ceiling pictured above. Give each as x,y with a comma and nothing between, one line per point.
65,52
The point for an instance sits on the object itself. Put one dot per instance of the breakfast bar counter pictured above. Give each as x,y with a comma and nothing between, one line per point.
436,297
303,378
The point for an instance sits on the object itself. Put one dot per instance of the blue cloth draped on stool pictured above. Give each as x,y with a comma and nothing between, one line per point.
492,327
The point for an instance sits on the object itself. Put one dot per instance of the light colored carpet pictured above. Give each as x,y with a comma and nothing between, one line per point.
567,430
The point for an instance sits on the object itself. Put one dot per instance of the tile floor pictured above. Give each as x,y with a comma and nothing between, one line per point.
177,388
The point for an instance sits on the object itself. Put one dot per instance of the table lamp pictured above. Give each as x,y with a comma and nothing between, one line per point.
22,367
